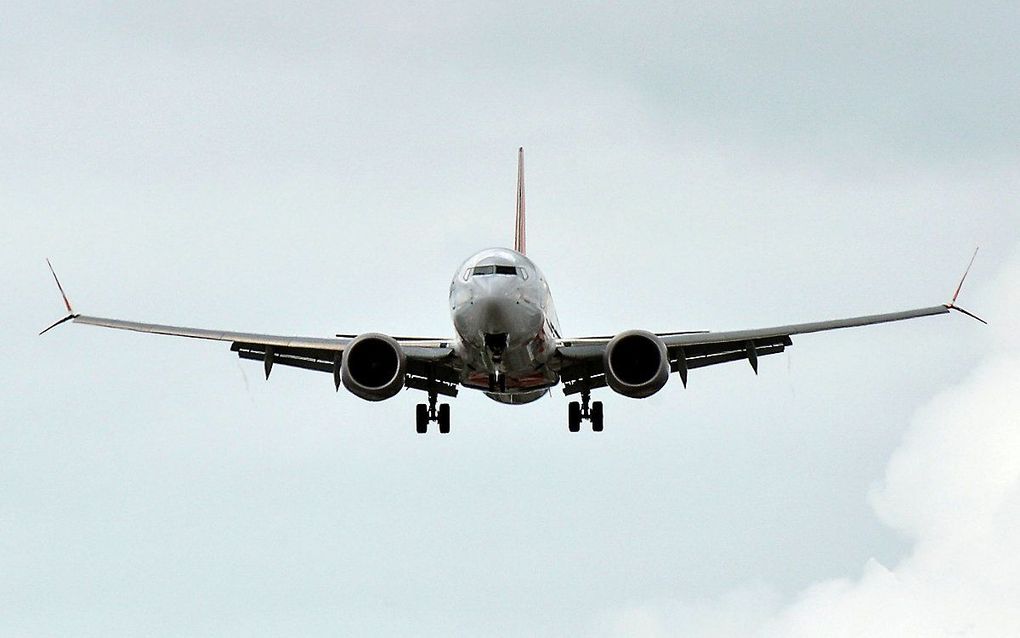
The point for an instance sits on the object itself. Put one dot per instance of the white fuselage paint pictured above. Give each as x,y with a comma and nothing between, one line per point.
506,325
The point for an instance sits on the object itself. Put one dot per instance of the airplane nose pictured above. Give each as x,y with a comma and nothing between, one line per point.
494,314
503,316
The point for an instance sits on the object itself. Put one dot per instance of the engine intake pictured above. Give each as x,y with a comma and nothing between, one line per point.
636,364
373,367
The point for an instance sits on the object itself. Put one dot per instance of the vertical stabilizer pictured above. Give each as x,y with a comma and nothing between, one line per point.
519,244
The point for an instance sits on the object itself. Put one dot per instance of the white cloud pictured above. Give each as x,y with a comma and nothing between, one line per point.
736,613
952,487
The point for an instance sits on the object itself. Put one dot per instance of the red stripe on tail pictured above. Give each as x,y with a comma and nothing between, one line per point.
519,240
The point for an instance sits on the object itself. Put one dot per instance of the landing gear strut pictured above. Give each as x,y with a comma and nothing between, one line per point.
497,382
580,411
431,413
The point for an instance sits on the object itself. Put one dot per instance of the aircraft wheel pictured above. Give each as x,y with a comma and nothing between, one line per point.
596,416
421,418
444,418
574,416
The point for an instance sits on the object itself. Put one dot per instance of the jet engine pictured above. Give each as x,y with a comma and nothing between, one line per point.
636,364
373,367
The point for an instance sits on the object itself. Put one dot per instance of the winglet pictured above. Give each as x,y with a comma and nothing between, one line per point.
519,241
67,304
952,302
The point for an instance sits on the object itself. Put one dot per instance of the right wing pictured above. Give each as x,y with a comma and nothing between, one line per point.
581,363
581,367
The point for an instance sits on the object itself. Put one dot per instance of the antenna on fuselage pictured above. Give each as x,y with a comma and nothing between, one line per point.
519,244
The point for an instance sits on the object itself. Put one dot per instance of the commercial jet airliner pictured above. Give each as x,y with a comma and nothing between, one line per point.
507,344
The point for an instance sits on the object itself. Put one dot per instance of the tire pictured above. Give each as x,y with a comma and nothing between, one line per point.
596,416
421,418
574,416
444,418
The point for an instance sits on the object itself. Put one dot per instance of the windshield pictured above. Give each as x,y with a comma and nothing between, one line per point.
494,269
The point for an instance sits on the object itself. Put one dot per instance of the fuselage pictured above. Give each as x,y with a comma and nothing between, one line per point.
506,325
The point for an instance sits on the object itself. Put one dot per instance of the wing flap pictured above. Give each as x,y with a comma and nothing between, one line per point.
307,358
426,367
726,352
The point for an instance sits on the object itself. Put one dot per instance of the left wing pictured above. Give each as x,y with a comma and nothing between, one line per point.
430,362
426,358
311,353
333,345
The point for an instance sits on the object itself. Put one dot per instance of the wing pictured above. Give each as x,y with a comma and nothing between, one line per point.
581,366
429,361
580,361
432,365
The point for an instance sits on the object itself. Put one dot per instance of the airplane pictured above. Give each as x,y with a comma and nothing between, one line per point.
508,344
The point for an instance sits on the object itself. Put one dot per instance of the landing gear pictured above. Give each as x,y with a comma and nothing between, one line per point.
595,416
444,418
497,382
422,418
580,411
574,416
424,414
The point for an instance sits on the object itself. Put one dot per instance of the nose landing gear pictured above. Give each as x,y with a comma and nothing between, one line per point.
496,343
585,410
497,382
431,413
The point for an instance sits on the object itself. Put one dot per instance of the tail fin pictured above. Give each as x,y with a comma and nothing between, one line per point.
519,243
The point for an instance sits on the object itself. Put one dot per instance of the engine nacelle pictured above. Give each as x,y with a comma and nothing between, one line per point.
373,367
636,364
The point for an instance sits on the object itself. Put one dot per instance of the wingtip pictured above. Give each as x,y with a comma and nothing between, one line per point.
952,302
70,317
71,314
966,312
67,304
966,272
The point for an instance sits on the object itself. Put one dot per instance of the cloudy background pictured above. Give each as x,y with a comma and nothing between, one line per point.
321,167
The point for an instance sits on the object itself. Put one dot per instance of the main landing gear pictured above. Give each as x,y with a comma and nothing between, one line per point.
580,411
430,413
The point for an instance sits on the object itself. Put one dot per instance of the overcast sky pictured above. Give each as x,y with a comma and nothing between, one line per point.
318,168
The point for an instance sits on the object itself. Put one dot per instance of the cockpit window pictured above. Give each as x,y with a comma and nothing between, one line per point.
494,269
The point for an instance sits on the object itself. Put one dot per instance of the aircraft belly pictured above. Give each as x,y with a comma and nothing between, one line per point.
517,398
521,370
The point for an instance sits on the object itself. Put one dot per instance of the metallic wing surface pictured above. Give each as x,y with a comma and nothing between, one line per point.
636,363
425,356
582,361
